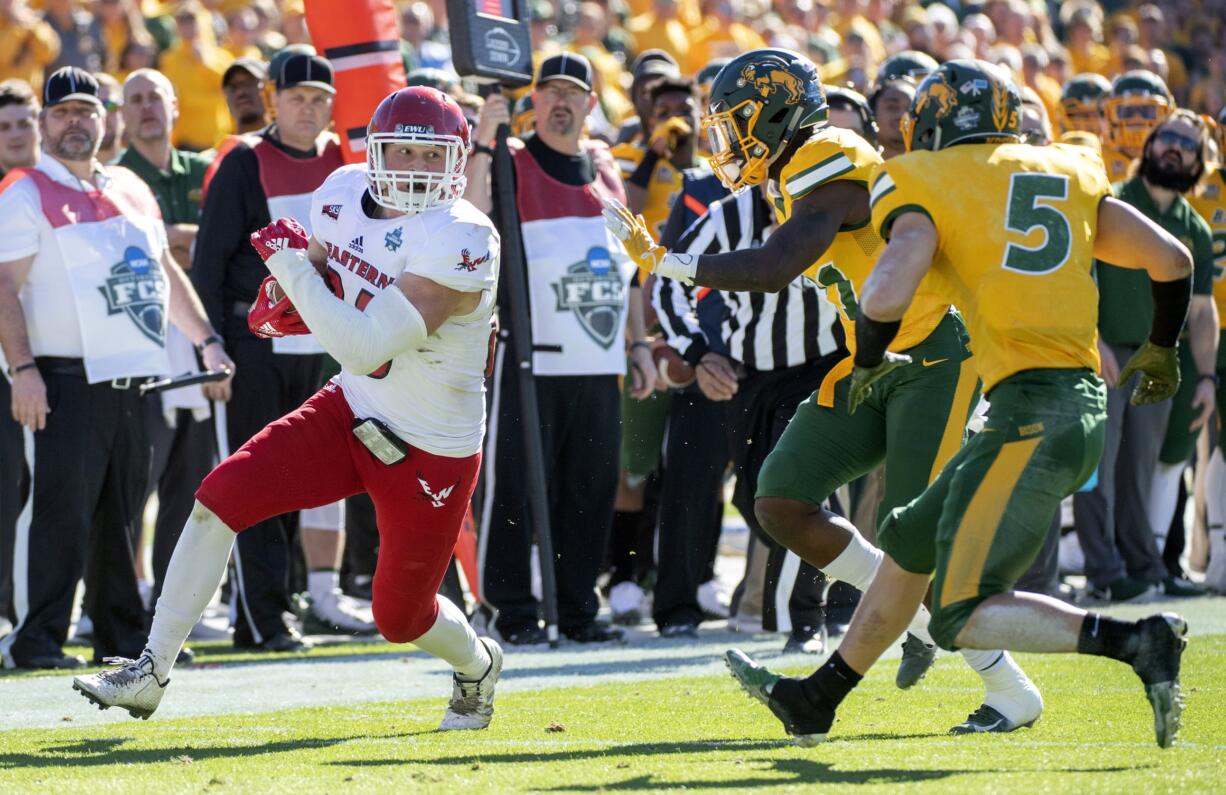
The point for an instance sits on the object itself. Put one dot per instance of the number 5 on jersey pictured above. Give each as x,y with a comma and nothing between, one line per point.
1025,215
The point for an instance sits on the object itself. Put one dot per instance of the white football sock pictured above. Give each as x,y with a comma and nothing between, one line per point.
1007,688
322,584
857,564
195,571
452,639
1163,496
1215,504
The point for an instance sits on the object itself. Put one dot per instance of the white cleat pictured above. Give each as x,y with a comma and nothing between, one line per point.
130,685
338,614
472,703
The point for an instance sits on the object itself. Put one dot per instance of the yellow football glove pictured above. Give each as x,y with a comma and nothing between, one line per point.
673,131
1159,369
631,230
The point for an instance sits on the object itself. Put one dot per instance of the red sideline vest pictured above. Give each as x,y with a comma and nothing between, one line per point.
108,244
288,184
578,272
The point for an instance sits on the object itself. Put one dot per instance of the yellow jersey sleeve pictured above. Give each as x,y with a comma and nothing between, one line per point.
830,154
1209,201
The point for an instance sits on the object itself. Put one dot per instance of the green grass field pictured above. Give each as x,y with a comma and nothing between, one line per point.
699,733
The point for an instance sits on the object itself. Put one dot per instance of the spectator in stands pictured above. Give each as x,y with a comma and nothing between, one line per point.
416,46
111,94
661,28
243,86
120,23
19,138
28,45
195,67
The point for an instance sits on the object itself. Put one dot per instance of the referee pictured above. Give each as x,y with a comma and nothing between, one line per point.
86,286
779,346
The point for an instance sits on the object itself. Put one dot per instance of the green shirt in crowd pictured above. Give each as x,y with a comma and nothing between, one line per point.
177,191
1125,304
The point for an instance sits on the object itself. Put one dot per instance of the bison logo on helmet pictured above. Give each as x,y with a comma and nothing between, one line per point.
938,90
769,80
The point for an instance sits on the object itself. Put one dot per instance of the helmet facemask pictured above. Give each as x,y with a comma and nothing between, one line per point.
413,191
737,157
1130,119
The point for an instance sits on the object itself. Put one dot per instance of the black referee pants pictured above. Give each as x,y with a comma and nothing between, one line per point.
794,593
182,456
695,457
580,420
81,517
266,387
12,470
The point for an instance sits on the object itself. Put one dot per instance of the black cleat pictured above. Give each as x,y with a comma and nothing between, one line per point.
1157,663
807,723
986,719
917,658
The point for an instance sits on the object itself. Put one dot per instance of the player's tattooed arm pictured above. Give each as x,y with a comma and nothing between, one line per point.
793,247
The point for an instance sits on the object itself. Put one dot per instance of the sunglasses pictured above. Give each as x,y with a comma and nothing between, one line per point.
111,105
1172,138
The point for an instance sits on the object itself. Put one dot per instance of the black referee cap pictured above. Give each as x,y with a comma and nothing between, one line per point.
68,84
566,66
301,69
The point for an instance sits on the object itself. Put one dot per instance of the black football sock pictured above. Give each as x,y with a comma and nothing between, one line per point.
1109,637
831,683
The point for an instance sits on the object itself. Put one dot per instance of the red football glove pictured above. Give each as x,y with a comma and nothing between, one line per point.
281,234
272,314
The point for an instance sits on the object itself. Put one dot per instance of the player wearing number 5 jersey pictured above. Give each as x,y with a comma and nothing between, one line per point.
1012,229
767,125
405,307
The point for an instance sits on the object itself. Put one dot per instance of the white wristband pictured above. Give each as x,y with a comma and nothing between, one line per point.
678,267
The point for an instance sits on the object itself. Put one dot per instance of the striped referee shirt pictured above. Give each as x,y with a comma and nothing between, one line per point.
763,331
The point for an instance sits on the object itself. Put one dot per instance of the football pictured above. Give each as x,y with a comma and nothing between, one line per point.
674,371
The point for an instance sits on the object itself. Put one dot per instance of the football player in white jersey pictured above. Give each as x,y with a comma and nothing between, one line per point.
405,306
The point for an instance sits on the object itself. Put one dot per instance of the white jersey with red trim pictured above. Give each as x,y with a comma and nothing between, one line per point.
433,397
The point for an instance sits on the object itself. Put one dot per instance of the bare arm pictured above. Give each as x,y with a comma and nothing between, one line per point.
29,405
1203,332
896,276
641,364
494,112
13,334
187,313
794,246
1130,240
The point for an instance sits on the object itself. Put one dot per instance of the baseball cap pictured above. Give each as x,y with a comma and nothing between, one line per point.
566,66
251,66
654,61
310,71
70,83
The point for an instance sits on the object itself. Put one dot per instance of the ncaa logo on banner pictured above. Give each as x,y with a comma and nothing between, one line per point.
137,288
594,291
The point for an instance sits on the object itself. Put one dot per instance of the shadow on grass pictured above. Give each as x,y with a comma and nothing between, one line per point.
804,772
104,751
